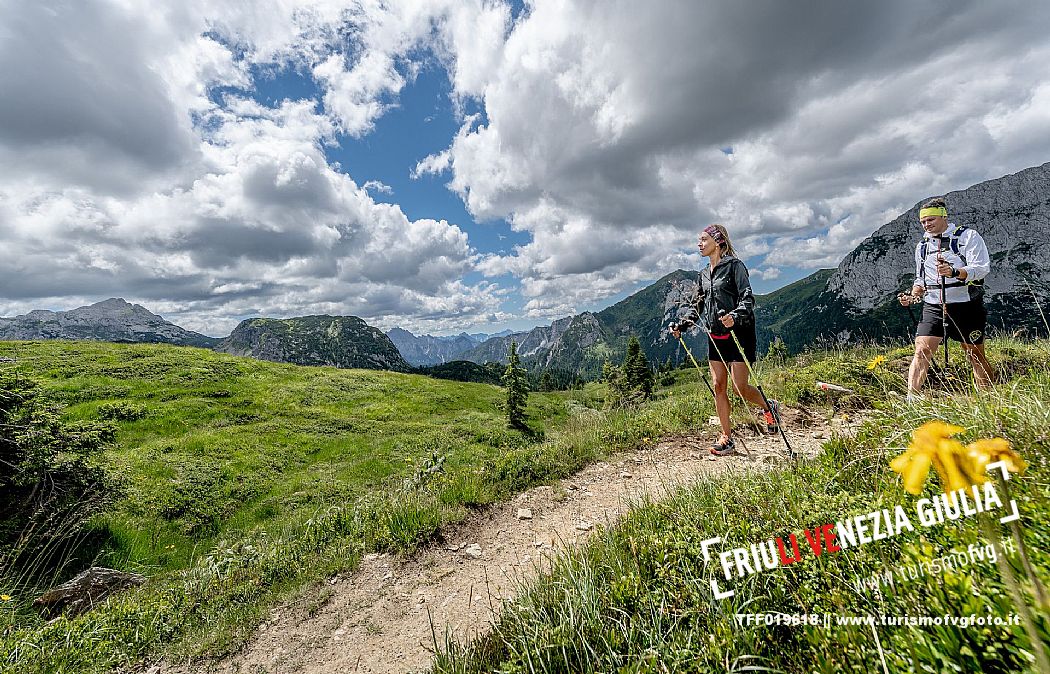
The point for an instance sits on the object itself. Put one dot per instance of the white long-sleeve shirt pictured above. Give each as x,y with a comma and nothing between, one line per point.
972,256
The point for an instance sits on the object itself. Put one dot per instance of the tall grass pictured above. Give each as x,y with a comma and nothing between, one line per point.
272,477
637,597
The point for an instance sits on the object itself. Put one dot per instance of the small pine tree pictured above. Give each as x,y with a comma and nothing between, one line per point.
546,381
516,380
637,372
778,351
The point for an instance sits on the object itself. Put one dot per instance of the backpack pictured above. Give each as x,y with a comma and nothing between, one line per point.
975,288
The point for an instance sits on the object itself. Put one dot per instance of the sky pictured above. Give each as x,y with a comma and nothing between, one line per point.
451,165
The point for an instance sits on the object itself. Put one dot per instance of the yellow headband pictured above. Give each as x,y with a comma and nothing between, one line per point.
927,212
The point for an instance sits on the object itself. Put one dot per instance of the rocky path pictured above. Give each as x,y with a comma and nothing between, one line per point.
384,616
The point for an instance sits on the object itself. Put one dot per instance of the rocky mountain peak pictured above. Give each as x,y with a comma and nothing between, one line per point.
1012,215
113,320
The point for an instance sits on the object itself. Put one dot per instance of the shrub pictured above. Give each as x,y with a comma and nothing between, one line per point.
51,481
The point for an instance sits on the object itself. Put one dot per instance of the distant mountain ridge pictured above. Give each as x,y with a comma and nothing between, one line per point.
422,350
582,343
854,302
425,350
112,320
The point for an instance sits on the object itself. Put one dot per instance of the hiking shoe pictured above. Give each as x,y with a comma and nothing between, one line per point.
772,416
724,447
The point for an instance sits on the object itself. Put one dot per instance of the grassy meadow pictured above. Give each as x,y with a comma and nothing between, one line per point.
245,481
637,597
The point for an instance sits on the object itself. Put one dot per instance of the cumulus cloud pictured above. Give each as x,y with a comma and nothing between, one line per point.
142,182
612,122
135,161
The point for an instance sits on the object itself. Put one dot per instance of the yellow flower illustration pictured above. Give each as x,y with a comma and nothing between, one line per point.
876,362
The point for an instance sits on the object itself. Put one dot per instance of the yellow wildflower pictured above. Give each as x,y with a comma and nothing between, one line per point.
875,362
989,450
932,444
5,597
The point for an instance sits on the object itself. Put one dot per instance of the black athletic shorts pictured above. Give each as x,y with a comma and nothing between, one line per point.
725,349
966,321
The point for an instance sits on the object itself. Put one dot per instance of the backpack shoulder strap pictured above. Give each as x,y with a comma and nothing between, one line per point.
953,242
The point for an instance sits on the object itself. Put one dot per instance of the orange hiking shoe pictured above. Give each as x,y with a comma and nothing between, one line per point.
772,416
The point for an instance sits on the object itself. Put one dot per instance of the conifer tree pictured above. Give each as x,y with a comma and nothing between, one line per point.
516,381
637,372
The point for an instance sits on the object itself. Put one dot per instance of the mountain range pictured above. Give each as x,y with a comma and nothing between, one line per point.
854,302
112,320
423,350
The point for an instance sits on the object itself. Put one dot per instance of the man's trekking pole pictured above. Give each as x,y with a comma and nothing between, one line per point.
758,385
699,372
944,305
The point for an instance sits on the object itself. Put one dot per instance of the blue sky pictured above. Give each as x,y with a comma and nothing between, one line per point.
469,165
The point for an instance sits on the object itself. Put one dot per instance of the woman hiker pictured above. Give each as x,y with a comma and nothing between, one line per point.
725,305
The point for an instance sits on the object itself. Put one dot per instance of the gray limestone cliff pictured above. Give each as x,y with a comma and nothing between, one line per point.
1012,215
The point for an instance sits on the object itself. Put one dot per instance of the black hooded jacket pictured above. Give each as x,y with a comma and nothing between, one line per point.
726,288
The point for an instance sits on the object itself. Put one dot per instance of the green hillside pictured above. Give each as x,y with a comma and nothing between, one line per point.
213,445
245,480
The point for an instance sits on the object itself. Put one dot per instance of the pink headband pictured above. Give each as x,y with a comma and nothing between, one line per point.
713,232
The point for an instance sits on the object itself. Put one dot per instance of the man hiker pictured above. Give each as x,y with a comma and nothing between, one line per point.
950,265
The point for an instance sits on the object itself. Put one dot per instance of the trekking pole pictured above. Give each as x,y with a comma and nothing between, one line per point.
758,385
944,305
699,372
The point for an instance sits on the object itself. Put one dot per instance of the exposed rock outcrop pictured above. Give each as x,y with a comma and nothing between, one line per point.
339,341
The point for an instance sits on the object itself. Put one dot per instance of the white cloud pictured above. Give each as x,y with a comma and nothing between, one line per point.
600,135
219,210
605,127
378,186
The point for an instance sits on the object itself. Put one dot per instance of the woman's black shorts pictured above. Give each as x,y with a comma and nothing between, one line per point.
966,321
726,350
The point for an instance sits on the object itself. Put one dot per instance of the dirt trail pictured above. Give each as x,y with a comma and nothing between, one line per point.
378,619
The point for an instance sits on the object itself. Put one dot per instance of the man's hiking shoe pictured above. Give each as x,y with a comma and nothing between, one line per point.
724,447
772,416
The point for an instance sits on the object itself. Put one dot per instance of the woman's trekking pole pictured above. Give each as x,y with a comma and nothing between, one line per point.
699,372
758,385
